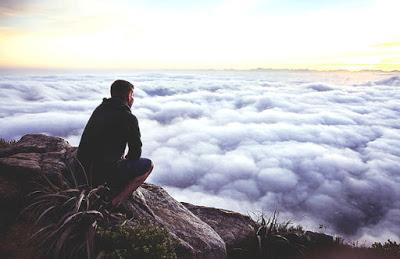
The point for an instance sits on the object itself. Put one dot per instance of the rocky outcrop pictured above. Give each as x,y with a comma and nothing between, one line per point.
196,239
200,232
237,230
20,164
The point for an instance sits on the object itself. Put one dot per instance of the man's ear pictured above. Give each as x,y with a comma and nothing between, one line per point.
127,97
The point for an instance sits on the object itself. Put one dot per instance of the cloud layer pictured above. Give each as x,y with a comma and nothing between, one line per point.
321,148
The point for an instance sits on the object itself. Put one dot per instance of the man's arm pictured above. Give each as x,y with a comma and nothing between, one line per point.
134,142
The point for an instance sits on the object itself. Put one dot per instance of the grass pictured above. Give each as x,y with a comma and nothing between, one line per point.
68,213
387,249
285,241
72,216
274,240
6,143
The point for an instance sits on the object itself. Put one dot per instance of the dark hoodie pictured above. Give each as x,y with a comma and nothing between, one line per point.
103,142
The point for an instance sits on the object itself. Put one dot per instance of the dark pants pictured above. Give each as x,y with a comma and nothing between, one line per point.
126,170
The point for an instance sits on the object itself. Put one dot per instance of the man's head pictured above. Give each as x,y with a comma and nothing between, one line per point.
124,90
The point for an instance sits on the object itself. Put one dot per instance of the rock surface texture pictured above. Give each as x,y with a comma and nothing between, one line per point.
237,230
200,232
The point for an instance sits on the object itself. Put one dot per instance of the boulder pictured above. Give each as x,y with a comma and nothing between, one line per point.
237,230
318,239
34,154
20,164
196,239
199,232
37,154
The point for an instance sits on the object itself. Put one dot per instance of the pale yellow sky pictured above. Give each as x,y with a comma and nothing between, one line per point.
225,34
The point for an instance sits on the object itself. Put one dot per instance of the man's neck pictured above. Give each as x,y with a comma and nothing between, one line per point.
122,101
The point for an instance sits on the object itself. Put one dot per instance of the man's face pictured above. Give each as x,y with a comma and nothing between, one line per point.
131,96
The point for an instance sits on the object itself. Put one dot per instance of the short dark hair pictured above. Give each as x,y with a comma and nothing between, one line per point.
120,88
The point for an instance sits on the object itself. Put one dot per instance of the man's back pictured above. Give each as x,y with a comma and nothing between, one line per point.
103,142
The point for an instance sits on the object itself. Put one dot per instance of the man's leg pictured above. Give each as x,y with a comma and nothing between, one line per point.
132,185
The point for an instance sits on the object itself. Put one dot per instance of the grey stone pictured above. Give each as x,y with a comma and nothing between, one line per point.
237,230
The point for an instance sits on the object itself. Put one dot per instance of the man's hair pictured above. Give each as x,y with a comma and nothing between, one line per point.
120,88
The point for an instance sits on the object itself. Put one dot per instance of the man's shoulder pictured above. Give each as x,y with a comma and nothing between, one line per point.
132,118
115,112
109,107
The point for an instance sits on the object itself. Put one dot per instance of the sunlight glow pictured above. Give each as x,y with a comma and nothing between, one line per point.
230,34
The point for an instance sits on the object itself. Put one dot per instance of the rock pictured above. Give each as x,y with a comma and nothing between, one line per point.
31,156
9,201
199,232
20,163
36,143
14,244
9,190
34,154
318,239
196,238
237,230
38,154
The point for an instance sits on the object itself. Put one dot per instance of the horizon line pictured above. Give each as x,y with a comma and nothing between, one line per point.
3,68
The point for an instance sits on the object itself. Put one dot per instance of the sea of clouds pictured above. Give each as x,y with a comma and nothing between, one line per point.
320,148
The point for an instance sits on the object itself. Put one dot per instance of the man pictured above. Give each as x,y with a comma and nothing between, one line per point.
103,143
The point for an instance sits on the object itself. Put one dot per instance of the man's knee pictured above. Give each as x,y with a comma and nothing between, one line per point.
151,166
147,169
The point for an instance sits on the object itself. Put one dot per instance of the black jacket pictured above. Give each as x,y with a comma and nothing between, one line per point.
103,142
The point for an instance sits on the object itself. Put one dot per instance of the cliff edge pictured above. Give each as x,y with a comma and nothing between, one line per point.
198,232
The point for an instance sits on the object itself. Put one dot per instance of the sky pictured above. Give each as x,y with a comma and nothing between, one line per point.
219,34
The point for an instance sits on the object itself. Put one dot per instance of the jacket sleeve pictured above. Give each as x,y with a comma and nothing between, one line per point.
134,142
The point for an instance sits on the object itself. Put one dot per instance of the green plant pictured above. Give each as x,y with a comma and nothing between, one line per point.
6,143
141,240
68,211
73,216
389,248
275,241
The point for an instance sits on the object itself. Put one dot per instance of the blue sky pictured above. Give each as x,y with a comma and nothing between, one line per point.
266,7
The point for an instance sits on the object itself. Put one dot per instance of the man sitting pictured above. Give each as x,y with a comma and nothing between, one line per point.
103,143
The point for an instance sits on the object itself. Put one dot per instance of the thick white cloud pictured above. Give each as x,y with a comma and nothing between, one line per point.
322,148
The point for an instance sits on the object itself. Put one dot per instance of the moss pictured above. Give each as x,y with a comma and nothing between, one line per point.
139,241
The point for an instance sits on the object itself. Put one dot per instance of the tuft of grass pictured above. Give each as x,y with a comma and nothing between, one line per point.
275,240
284,241
76,220
387,249
6,143
67,210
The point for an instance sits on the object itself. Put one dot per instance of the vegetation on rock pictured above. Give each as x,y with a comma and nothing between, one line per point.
76,221
6,143
283,241
138,241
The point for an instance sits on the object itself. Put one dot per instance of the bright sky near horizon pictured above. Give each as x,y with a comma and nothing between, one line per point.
219,34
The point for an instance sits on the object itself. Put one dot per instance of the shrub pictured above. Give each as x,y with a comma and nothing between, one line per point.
67,212
389,248
6,143
140,241
68,221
